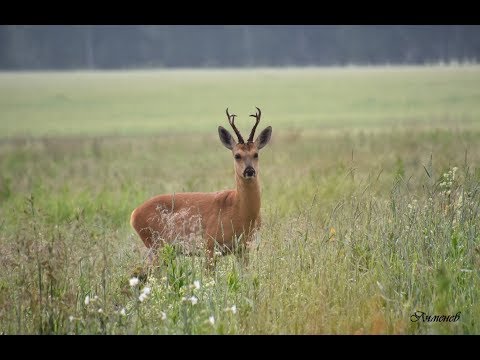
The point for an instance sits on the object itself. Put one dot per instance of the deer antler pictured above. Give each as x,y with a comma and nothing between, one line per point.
257,117
231,121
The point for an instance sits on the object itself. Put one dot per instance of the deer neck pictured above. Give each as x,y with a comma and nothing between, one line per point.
248,197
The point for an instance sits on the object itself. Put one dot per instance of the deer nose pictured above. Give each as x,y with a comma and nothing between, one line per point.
249,172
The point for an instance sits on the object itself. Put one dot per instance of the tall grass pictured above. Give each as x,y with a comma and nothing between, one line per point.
359,232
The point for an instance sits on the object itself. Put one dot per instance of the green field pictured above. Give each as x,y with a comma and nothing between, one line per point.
370,204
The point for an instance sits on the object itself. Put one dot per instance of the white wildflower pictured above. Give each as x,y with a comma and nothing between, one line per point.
133,281
71,318
100,310
95,298
142,297
194,300
448,192
87,300
123,312
164,315
196,283
211,320
146,290
233,309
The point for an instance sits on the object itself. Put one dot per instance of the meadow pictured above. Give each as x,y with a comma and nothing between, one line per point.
370,200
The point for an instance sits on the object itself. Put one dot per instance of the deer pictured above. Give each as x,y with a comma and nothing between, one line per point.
221,222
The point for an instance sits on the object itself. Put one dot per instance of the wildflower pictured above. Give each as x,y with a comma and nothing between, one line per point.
100,310
142,297
87,300
71,318
196,283
164,315
95,298
233,309
133,281
123,312
211,320
194,300
146,290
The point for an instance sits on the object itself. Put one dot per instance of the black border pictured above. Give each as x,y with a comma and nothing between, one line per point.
240,12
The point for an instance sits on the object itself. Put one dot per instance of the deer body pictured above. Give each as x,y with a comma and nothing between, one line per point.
223,220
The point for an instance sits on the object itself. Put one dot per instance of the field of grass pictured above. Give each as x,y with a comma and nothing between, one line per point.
370,203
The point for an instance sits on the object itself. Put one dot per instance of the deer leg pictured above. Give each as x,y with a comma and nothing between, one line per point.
242,254
210,258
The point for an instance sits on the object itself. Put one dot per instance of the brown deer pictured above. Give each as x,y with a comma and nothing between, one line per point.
222,221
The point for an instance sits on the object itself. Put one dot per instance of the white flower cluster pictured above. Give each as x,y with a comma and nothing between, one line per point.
144,294
413,205
88,300
233,309
134,281
448,179
196,285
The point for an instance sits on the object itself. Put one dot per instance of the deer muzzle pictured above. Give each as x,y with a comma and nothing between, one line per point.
249,172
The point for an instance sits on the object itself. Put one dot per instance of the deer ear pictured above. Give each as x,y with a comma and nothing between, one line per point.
264,137
226,138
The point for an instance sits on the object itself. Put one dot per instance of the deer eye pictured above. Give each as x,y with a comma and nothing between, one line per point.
238,156
255,155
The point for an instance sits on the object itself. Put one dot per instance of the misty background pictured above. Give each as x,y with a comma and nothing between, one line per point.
43,47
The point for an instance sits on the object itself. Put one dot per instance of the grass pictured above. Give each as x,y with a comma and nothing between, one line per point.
371,193
152,102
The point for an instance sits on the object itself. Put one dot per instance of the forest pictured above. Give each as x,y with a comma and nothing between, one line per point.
45,47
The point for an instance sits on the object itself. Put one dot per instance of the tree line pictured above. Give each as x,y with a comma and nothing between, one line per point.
143,46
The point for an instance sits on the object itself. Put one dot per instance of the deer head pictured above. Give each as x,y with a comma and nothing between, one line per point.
245,154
